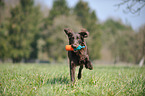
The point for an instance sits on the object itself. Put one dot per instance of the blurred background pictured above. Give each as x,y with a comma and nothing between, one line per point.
32,30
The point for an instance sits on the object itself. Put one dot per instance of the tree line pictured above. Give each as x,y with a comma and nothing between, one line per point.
25,33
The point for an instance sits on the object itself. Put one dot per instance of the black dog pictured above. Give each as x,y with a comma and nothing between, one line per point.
79,57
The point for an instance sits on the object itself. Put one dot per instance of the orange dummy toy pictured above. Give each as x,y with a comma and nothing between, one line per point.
69,48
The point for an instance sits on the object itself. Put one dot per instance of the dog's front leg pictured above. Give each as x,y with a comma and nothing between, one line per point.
72,71
80,72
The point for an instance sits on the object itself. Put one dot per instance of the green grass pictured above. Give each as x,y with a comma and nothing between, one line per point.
54,80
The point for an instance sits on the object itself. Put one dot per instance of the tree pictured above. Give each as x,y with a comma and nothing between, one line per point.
23,27
89,21
120,40
1,9
59,8
82,11
4,44
56,39
141,44
131,6
53,26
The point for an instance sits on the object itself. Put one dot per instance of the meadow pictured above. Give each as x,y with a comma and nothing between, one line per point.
54,80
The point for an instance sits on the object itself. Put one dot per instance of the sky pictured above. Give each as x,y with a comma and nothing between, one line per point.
106,9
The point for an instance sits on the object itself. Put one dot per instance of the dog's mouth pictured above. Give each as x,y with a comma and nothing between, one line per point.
77,47
75,51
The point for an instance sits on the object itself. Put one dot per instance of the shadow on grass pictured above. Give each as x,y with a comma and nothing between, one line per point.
58,80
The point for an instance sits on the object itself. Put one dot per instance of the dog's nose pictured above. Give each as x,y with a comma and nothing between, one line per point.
82,57
74,46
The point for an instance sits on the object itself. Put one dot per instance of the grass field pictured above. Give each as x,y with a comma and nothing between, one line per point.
54,80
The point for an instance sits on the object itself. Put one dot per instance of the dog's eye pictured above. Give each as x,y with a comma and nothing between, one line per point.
72,38
78,38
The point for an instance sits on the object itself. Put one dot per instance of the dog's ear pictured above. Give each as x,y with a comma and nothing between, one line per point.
68,32
84,33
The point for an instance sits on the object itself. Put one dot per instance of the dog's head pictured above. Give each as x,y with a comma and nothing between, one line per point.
76,39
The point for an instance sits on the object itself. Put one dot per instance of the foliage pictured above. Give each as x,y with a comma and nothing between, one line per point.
140,44
54,25
120,39
89,21
130,6
4,44
2,5
25,33
59,7
36,79
55,44
23,27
